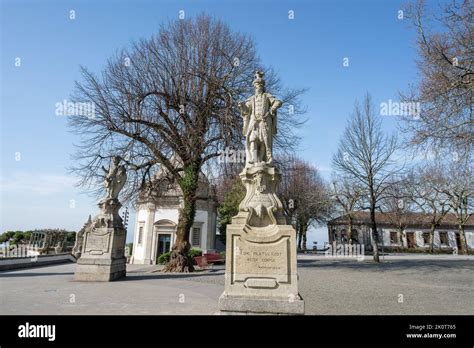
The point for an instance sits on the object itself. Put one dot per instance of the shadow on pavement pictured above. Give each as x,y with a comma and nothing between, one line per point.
29,274
174,275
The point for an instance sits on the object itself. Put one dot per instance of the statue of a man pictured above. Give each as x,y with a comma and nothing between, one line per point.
260,123
115,178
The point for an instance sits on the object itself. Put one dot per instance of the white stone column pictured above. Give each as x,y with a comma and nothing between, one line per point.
154,244
148,230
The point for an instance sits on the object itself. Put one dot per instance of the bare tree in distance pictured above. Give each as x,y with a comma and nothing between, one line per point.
347,195
445,89
171,102
427,187
397,205
366,155
459,190
305,196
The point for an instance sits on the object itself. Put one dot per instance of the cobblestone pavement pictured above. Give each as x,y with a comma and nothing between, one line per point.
403,284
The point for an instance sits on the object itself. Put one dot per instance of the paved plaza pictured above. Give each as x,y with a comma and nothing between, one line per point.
403,284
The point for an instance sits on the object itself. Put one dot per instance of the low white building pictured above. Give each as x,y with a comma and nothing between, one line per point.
416,234
157,219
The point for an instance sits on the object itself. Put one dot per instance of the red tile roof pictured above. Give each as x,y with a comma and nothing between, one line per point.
412,219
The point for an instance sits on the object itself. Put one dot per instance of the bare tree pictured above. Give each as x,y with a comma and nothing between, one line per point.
365,155
397,205
171,102
347,195
459,190
446,66
304,194
428,195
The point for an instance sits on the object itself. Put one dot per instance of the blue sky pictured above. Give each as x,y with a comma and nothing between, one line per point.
307,51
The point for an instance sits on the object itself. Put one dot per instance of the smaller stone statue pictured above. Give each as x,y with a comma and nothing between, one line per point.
59,248
77,250
115,178
100,244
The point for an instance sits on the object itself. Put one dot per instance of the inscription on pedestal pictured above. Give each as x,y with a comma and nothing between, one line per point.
97,244
253,260
262,199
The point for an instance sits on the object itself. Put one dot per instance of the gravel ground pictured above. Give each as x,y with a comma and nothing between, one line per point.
403,284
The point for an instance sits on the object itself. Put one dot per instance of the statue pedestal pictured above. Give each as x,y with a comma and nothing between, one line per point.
103,251
261,274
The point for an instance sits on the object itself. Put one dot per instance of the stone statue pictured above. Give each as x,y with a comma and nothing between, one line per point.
59,248
260,123
261,206
100,245
115,178
261,274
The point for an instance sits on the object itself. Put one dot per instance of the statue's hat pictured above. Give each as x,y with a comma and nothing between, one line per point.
259,78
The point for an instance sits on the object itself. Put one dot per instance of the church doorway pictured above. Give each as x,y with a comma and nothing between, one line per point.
164,243
411,240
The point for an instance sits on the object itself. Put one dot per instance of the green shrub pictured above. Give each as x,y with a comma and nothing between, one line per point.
163,258
193,252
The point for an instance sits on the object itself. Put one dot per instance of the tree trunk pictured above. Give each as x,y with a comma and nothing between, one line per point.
299,230
349,230
179,260
402,235
304,237
432,231
375,243
462,238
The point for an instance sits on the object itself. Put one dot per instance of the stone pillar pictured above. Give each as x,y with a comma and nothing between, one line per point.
103,250
261,274
148,238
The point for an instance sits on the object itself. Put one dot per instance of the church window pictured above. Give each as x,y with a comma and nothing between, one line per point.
140,234
196,240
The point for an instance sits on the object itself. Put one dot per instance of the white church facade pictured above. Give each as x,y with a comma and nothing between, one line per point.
157,220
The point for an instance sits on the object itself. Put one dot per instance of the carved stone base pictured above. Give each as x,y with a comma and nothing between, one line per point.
261,274
235,305
103,251
261,206
100,270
